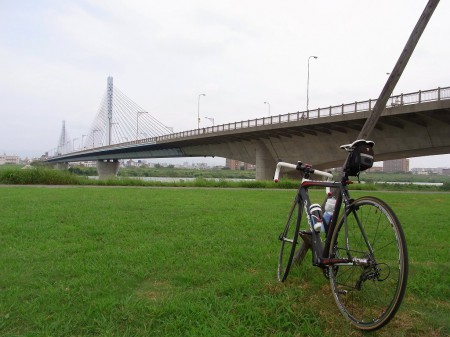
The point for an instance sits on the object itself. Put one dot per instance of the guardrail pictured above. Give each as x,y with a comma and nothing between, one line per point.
402,99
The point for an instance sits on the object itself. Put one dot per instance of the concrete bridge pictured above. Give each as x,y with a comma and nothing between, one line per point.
414,124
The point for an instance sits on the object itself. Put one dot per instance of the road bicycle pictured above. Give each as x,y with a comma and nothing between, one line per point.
361,249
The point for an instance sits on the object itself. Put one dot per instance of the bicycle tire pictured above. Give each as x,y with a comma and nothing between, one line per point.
369,296
289,241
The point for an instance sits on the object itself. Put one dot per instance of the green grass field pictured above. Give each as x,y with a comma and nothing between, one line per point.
131,261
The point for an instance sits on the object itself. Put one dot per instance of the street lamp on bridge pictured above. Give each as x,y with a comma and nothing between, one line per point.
137,122
210,119
307,84
269,106
82,140
198,111
93,136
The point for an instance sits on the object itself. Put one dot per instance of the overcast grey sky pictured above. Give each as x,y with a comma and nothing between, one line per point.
57,54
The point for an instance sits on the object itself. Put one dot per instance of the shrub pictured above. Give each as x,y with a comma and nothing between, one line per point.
38,176
445,186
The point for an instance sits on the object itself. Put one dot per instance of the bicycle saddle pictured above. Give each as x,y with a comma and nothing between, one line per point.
350,147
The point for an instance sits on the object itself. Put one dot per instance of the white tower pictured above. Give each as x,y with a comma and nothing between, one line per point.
62,144
110,108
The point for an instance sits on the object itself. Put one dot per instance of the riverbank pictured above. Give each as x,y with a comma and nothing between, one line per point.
84,261
45,176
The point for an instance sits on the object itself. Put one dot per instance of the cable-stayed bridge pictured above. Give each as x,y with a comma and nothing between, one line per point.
413,124
118,120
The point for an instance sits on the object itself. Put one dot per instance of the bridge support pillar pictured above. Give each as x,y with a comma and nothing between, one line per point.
107,169
265,163
62,166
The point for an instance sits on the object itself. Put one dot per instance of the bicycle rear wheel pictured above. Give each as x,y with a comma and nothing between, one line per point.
290,242
369,291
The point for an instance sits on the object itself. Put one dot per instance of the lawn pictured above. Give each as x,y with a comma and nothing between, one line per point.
130,261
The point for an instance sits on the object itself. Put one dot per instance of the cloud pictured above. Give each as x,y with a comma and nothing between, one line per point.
58,55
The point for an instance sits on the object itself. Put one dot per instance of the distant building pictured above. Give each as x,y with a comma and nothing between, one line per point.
397,165
88,163
233,164
375,169
200,166
131,163
9,160
238,165
422,171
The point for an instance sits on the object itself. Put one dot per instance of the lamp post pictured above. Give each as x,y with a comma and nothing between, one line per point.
137,122
198,111
210,119
307,85
110,131
93,137
269,106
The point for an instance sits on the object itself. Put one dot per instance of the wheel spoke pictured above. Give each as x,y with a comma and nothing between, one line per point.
369,293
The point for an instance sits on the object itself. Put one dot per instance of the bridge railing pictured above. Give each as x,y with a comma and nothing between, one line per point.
396,100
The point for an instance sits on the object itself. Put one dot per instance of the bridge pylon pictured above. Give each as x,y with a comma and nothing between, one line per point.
109,102
64,145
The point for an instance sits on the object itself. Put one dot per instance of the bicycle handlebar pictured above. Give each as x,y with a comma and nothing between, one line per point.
277,170
300,167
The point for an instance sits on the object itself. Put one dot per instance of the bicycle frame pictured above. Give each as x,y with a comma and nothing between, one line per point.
321,252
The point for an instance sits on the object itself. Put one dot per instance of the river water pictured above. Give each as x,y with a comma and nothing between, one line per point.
408,183
178,179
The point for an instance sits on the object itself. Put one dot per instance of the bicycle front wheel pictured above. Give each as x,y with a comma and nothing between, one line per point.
289,241
369,289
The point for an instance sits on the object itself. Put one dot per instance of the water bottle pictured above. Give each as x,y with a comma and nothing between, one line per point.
329,209
316,217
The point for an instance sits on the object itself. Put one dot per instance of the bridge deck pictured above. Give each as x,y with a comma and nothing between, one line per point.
412,125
